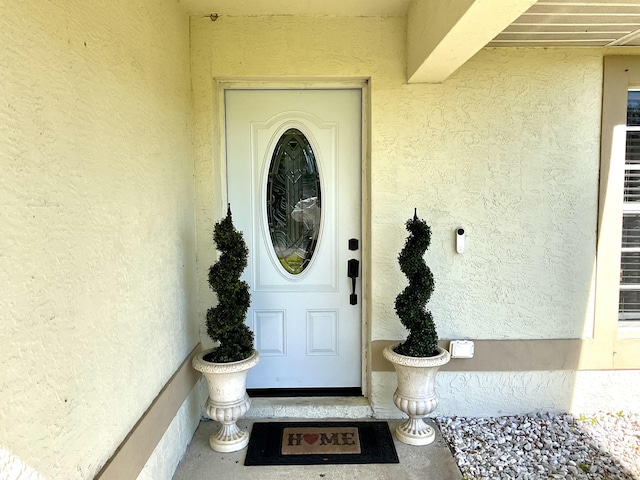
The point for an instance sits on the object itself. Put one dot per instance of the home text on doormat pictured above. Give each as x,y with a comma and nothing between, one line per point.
320,440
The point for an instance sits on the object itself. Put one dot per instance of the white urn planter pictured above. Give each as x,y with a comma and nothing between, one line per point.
416,393
228,400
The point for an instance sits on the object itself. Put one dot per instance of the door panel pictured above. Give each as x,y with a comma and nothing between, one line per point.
307,331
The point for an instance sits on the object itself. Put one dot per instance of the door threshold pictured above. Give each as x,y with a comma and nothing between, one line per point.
304,392
310,407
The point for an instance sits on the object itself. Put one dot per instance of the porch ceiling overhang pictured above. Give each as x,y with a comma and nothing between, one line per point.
443,35
311,8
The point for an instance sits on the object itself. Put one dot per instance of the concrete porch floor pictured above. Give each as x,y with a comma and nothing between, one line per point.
432,462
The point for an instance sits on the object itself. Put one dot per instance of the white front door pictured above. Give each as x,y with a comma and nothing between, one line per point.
293,182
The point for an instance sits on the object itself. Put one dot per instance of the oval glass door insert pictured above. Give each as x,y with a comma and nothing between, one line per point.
293,201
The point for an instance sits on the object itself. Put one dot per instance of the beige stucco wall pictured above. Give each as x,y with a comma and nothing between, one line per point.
507,147
97,251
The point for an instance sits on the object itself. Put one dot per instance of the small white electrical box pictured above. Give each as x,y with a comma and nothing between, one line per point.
461,349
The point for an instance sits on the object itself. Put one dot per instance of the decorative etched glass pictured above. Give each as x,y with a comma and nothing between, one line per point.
293,201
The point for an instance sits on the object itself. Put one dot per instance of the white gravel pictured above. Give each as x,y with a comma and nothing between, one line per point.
602,446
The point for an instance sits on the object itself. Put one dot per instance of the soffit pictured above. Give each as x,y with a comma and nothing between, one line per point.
552,23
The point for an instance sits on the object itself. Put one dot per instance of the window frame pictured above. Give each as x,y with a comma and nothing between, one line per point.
621,73
630,207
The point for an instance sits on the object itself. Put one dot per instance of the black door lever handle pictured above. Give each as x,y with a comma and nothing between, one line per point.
353,272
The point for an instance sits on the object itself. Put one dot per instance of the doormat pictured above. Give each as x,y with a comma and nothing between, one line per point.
320,443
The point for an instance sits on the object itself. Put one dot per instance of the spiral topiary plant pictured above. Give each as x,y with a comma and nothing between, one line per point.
422,340
225,321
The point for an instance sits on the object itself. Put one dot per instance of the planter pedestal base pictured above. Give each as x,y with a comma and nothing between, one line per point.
415,431
229,439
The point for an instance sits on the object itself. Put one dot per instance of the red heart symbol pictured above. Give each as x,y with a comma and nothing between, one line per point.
311,438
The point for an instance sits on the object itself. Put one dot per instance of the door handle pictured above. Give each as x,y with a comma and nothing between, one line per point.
353,272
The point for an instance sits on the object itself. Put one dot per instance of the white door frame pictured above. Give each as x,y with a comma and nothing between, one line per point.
220,178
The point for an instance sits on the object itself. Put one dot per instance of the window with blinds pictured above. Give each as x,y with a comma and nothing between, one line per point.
629,304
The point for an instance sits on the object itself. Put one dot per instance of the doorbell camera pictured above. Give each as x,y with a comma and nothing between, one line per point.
460,240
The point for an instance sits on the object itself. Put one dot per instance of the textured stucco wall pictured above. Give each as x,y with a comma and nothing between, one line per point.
508,147
510,393
97,252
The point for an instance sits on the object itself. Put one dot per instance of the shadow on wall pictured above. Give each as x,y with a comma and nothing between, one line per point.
546,445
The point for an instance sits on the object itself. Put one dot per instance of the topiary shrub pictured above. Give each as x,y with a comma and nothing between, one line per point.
225,322
422,340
